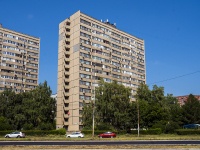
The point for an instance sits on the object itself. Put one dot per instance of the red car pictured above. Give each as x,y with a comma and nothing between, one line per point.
107,135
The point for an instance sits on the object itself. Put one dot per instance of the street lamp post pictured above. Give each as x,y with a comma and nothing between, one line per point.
93,106
138,111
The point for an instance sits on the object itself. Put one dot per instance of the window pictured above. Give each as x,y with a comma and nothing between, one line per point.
85,76
83,97
115,46
85,69
85,22
85,42
116,76
84,62
85,35
85,55
85,28
85,48
85,83
107,80
84,90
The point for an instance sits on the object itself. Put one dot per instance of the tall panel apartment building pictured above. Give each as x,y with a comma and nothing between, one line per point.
89,50
19,59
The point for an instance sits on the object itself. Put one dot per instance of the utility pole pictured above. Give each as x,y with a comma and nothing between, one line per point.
93,105
138,111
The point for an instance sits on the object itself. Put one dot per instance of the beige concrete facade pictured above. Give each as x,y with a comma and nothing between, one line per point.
19,59
88,50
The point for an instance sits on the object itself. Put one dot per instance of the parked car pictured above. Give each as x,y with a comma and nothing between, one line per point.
15,134
75,134
107,135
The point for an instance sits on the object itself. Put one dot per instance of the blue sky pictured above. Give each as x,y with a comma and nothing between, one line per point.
170,28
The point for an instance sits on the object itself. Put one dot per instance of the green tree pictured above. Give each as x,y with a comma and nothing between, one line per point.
87,115
152,110
174,114
29,110
113,104
191,110
4,125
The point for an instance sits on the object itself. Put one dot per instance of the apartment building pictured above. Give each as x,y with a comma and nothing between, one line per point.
19,60
183,99
89,49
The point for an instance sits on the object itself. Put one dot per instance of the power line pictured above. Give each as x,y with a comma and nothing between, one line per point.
175,77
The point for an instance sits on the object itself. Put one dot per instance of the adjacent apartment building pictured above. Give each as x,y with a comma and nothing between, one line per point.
19,60
183,99
89,49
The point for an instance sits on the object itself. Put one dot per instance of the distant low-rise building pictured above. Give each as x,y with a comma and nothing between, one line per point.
183,99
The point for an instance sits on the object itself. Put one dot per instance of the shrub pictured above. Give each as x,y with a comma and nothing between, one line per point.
104,126
96,132
171,127
148,131
45,126
187,131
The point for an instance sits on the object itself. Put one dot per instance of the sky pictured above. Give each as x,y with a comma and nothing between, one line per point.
170,29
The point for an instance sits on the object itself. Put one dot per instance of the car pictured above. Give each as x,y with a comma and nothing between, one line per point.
75,134
15,134
107,135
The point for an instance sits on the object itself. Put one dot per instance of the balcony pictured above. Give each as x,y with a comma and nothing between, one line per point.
67,23
67,52
66,93
66,79
66,109
67,42
66,123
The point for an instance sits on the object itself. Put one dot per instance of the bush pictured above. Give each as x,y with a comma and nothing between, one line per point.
45,126
156,131
96,132
2,133
61,131
187,131
38,132
104,126
171,127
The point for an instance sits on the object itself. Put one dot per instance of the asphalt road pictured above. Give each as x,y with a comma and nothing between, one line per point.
61,143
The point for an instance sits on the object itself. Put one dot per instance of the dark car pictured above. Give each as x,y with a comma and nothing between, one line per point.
107,135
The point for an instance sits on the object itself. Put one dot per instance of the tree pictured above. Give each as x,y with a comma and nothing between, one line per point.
191,111
29,110
174,114
113,104
87,115
153,112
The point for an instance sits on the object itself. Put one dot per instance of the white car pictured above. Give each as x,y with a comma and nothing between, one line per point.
15,134
75,134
